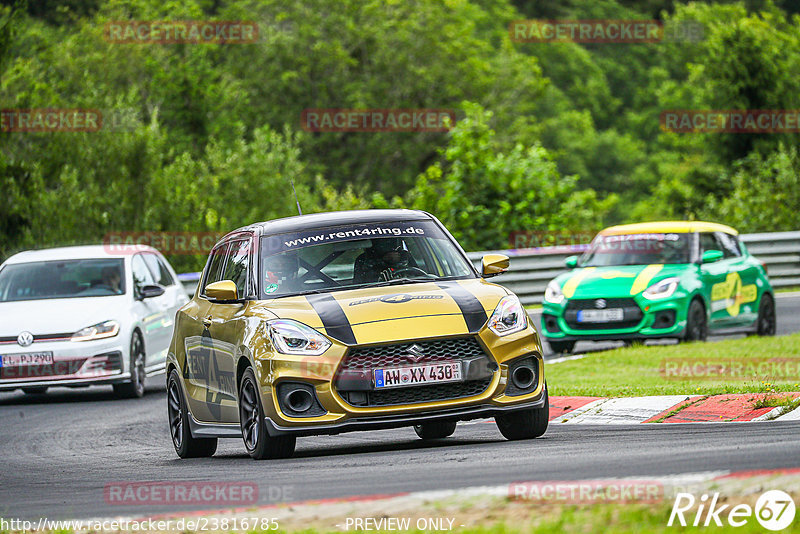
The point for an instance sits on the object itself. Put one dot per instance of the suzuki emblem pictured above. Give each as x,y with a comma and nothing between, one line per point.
415,353
600,304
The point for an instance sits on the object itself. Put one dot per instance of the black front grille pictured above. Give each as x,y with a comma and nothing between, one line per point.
412,395
396,355
354,380
631,313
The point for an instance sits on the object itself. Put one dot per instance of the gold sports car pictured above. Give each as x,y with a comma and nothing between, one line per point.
353,320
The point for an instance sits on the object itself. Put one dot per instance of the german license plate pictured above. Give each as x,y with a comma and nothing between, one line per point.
397,377
600,316
22,360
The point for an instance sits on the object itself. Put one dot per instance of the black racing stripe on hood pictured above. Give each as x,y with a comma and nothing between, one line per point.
333,317
471,308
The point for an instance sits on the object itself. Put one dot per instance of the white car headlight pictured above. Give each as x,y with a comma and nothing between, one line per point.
662,289
97,331
553,293
509,317
292,337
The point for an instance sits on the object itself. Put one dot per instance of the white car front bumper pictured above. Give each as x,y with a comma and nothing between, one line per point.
74,364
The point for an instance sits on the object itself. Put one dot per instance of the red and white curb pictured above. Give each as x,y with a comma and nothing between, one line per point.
668,409
731,408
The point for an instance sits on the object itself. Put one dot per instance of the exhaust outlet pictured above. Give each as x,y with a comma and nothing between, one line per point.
523,376
298,400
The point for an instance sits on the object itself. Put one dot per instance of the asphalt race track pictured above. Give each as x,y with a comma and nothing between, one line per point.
60,450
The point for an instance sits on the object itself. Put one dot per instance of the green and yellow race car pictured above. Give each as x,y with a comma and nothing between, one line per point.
659,280
332,322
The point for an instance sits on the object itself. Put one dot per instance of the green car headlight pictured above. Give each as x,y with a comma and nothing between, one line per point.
553,293
662,289
292,337
509,317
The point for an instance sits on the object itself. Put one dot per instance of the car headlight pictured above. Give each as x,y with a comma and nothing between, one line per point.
97,331
509,316
663,289
553,293
292,337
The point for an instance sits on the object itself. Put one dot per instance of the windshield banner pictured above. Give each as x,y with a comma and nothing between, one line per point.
292,241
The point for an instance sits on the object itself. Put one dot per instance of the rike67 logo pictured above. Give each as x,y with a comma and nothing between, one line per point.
774,510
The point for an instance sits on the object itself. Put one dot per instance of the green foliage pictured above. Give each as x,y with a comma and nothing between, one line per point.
571,138
483,194
765,193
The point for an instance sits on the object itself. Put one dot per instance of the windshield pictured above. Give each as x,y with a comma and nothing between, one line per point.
356,256
62,279
637,249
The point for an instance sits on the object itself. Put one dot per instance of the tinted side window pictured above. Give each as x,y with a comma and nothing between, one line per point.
237,264
214,273
141,274
159,270
708,242
729,245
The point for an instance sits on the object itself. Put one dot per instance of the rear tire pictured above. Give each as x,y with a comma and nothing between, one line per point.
435,430
35,390
185,444
766,316
560,347
135,388
525,424
259,444
696,322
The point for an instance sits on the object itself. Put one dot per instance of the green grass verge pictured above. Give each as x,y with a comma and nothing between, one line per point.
627,372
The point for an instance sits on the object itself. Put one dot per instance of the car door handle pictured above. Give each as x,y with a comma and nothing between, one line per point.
207,321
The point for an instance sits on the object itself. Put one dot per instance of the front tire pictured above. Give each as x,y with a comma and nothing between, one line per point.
259,444
134,389
560,347
435,430
696,322
766,316
525,424
185,444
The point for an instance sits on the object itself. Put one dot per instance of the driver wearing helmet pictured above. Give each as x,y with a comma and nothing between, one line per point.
281,273
382,261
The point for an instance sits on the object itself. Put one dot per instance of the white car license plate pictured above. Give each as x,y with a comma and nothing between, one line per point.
438,373
600,316
31,358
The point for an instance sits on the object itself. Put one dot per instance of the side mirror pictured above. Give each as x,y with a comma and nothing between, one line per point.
222,290
710,256
151,290
494,264
571,262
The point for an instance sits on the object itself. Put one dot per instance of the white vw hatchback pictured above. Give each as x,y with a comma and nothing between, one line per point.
79,316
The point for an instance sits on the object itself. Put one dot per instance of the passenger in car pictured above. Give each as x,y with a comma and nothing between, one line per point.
382,260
